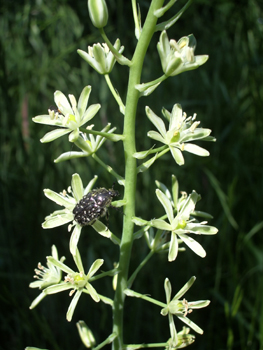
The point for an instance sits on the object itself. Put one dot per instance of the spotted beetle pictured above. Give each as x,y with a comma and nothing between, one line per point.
94,205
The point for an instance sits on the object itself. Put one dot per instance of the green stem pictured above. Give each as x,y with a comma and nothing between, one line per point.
132,293
130,170
119,57
107,167
112,137
114,93
142,87
135,273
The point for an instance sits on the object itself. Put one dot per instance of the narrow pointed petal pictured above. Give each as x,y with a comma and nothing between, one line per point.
83,100
54,134
63,103
185,288
93,293
90,113
157,121
191,324
173,249
199,151
58,220
77,186
194,245
59,199
166,203
177,155
73,304
74,239
94,267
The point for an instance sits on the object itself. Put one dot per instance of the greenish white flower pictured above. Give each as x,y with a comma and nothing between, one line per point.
181,132
180,308
178,57
68,199
78,282
100,57
182,224
70,116
47,276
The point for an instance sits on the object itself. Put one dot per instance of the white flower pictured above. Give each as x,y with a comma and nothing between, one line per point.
69,116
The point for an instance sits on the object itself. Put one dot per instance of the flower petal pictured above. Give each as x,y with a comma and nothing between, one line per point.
54,134
90,113
173,249
166,203
73,305
191,324
94,267
74,238
157,121
65,201
58,220
194,245
185,288
93,293
83,100
155,136
77,187
63,103
161,224
199,151
202,229
45,119
177,155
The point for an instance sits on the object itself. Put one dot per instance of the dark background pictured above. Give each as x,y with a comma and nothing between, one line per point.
38,56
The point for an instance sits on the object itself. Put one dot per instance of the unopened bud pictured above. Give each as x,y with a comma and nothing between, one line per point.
98,13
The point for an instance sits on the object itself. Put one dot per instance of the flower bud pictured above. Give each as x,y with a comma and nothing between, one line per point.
98,13
86,334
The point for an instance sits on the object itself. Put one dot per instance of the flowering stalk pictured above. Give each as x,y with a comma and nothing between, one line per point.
82,206
130,169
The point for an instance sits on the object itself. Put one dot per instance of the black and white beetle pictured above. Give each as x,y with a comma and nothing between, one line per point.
94,205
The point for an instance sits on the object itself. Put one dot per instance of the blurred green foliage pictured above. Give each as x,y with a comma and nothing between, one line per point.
38,43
